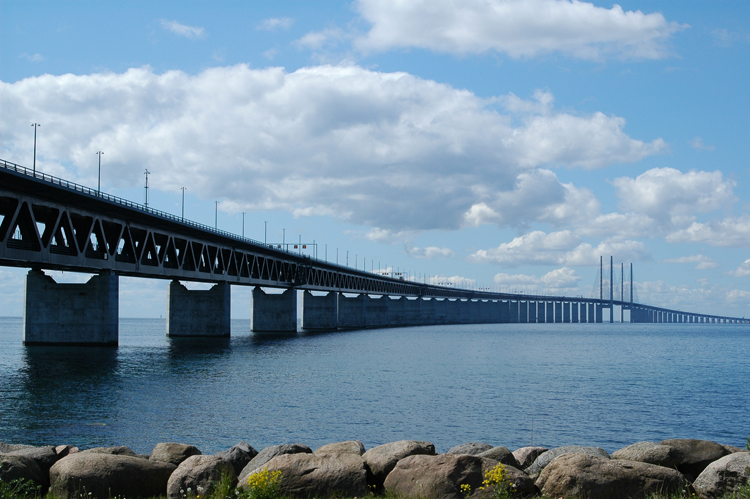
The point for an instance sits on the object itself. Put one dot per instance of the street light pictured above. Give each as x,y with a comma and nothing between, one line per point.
243,224
99,184
146,172
216,215
183,203
265,232
35,125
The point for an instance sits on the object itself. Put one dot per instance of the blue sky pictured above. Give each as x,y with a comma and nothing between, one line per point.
492,143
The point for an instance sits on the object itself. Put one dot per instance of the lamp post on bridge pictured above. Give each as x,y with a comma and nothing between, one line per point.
99,183
265,232
183,203
35,125
146,172
243,224
216,215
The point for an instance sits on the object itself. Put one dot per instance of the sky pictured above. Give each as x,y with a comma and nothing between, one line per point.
492,144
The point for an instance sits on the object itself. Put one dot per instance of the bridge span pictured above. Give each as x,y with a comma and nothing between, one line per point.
48,223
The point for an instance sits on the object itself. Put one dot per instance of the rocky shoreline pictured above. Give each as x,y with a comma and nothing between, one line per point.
407,467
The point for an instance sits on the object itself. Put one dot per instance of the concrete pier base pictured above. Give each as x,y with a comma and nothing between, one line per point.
319,312
71,314
274,313
351,312
376,311
198,313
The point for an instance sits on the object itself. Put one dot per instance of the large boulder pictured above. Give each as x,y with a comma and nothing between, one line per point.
723,476
351,447
64,450
269,453
306,475
694,455
501,455
6,448
525,456
108,475
649,452
522,485
120,450
546,457
170,452
594,477
238,455
472,449
45,457
197,476
14,467
383,458
435,477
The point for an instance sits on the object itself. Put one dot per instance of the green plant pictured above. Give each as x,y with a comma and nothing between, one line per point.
263,485
496,479
19,489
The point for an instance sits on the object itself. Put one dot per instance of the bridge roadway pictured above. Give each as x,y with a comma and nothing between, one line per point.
51,223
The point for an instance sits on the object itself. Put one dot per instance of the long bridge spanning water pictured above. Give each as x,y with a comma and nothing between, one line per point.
48,223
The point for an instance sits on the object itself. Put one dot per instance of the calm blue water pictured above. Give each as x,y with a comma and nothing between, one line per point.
605,385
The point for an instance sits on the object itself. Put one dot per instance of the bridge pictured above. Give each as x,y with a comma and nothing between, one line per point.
48,223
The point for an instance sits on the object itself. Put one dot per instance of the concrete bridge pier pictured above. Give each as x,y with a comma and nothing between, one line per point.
504,308
71,314
351,314
274,313
550,314
376,311
198,313
574,312
523,311
319,313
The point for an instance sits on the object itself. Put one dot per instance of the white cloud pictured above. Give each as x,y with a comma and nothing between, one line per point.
558,248
274,23
743,270
31,57
556,282
706,298
316,40
183,30
389,151
519,28
430,252
702,262
728,232
668,195
698,145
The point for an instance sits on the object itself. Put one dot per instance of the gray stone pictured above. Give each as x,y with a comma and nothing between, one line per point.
649,452
383,458
594,477
64,450
45,457
239,455
502,455
108,475
731,449
521,483
269,453
353,447
694,455
5,448
525,456
723,476
435,477
197,475
115,451
170,452
306,475
545,457
472,449
17,467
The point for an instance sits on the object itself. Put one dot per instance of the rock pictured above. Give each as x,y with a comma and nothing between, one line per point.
731,449
238,455
595,477
108,475
649,452
383,458
525,456
545,457
13,467
45,457
472,449
352,447
694,455
501,455
434,477
197,475
5,448
64,450
522,484
306,475
269,453
173,453
115,451
723,476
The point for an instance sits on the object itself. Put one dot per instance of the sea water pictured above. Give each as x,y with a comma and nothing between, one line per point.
606,385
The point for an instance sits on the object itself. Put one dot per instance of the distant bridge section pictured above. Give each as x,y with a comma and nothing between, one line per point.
51,223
